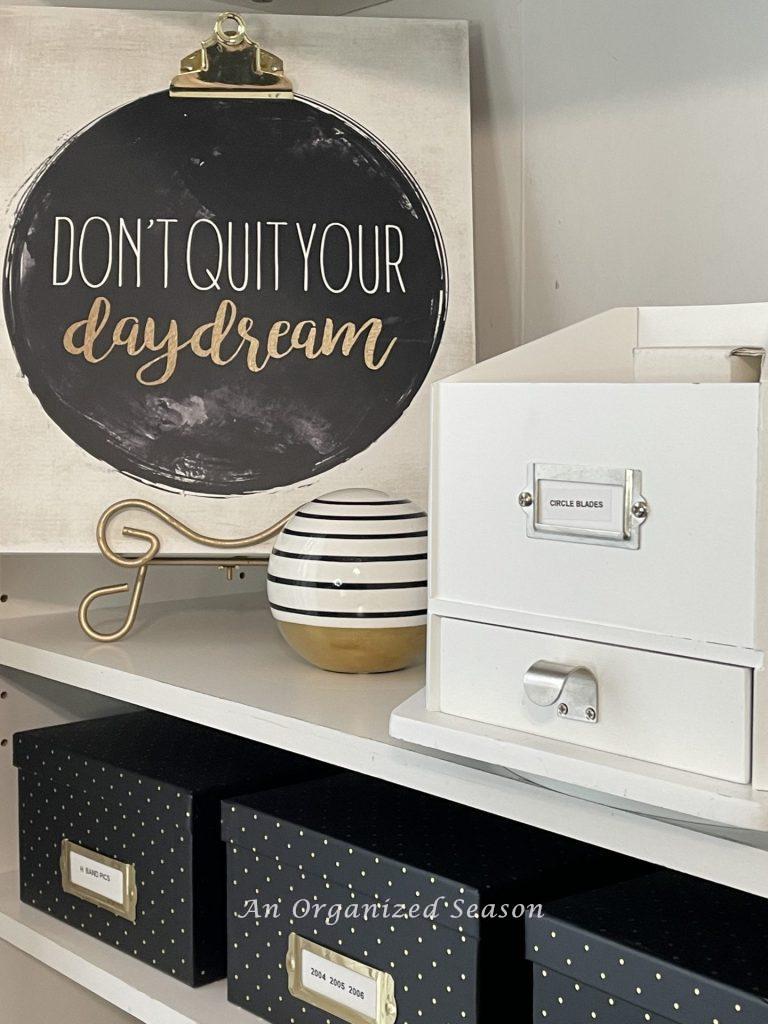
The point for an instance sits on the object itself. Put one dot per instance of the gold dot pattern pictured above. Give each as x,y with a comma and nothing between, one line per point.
435,968
143,789
153,832
355,841
661,948
558,1000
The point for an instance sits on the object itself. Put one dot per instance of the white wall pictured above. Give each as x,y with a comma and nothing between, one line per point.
641,130
646,142
495,35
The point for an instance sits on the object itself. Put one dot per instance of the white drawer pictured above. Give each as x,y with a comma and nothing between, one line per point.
679,712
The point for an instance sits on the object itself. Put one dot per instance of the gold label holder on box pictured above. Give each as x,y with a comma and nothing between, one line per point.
125,907
380,986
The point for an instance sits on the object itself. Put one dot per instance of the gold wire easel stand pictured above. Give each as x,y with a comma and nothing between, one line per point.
151,556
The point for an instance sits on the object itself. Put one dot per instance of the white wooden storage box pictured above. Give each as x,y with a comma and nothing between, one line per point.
597,571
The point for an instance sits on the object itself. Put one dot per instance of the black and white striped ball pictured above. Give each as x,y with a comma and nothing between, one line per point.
347,581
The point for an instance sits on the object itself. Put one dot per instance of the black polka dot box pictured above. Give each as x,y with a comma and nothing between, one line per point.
354,900
665,948
119,831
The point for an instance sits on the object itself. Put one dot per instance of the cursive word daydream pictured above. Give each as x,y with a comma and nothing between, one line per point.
222,340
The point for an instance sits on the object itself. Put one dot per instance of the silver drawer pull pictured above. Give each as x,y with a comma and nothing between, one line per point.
572,688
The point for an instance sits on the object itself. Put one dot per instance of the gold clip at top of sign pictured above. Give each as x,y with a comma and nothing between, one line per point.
230,65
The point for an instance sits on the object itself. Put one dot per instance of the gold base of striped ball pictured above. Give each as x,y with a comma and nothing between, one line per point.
357,650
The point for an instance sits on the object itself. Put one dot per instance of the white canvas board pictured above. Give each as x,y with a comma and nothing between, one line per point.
401,87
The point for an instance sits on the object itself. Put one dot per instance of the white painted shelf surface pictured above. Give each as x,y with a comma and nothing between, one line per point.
221,662
115,976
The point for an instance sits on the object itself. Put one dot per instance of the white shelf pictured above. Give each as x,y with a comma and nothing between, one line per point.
625,782
139,990
221,662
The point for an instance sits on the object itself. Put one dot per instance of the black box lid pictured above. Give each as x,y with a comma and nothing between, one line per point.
193,758
676,946
377,838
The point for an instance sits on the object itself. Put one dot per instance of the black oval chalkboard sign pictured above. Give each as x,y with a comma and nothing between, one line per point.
224,296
